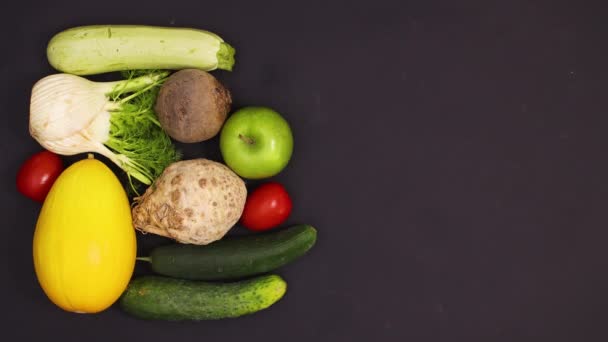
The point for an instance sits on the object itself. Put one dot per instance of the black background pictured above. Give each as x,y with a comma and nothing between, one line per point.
452,155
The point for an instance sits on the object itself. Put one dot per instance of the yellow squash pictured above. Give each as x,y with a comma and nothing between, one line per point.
84,243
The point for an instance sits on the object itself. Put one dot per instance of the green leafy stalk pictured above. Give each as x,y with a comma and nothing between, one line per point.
136,136
135,81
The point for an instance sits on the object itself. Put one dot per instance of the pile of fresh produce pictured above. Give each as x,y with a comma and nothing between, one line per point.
85,240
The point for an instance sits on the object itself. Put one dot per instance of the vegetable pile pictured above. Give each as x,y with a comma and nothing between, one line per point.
85,239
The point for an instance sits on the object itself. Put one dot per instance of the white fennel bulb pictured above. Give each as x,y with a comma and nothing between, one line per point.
70,115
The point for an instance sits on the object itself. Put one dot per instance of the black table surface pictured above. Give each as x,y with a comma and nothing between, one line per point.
452,155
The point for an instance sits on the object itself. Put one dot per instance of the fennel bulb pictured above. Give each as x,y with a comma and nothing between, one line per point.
70,115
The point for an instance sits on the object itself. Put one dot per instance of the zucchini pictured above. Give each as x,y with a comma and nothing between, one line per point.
163,298
95,49
232,258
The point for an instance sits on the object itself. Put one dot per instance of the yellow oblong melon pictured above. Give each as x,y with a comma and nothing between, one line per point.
84,245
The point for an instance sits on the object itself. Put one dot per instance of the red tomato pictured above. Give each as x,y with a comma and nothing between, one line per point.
37,175
266,207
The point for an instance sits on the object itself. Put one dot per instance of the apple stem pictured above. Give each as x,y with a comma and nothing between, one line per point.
247,140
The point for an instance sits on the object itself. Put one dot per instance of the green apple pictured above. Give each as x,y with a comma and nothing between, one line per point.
256,142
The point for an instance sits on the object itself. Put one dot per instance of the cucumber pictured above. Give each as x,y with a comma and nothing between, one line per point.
233,258
95,49
163,298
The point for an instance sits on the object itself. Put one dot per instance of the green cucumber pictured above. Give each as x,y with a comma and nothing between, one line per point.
163,298
233,258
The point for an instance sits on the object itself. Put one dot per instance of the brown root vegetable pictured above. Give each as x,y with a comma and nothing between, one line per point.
194,201
192,105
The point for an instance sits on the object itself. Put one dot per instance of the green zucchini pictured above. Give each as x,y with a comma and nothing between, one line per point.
95,49
232,258
163,298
